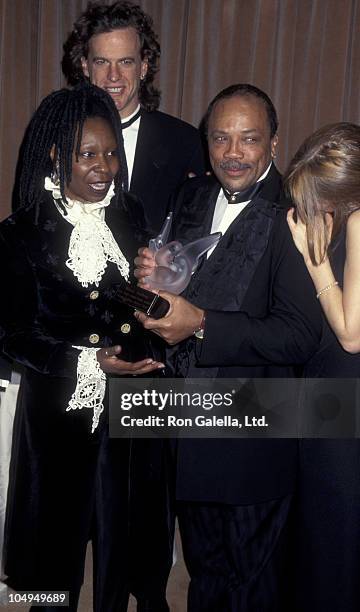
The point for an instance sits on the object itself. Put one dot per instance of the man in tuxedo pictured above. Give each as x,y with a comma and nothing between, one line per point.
116,48
250,312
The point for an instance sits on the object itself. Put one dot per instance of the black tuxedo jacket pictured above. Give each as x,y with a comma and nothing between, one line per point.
167,149
272,325
5,368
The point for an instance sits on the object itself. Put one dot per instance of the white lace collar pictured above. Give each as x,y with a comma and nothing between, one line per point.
91,244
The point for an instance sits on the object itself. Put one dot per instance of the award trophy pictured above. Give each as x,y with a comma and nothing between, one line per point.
175,262
175,265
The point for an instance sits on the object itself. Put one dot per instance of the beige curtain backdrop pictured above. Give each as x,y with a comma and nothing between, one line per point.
304,53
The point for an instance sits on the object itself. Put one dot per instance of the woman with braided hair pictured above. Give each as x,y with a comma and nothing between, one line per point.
64,253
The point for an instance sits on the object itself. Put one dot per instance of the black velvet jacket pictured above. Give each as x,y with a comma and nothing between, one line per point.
65,483
45,310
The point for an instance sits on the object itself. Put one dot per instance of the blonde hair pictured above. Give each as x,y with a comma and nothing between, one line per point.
324,176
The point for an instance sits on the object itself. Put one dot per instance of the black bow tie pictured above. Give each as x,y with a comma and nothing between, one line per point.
126,124
243,196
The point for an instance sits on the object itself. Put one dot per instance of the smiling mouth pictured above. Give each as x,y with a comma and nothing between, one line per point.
100,187
234,167
115,90
232,173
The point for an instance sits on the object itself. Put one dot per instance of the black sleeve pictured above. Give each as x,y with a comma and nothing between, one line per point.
136,219
22,337
196,162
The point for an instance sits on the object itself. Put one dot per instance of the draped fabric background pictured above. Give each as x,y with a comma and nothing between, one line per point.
304,53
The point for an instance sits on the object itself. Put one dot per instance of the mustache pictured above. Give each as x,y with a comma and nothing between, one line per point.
233,165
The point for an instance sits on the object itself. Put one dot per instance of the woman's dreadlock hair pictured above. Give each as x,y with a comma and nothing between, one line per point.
58,123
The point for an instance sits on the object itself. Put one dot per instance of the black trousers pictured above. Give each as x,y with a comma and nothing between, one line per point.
327,515
151,522
142,525
235,555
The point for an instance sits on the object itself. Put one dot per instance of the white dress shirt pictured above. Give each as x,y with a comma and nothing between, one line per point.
130,135
225,213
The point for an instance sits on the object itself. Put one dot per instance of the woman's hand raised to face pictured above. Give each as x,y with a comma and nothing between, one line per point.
299,233
110,363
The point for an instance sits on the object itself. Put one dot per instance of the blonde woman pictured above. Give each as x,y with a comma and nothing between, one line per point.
324,182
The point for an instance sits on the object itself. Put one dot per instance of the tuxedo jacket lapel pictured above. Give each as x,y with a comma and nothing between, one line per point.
193,213
222,280
150,159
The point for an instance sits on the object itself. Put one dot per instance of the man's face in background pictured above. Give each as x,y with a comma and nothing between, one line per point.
114,63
